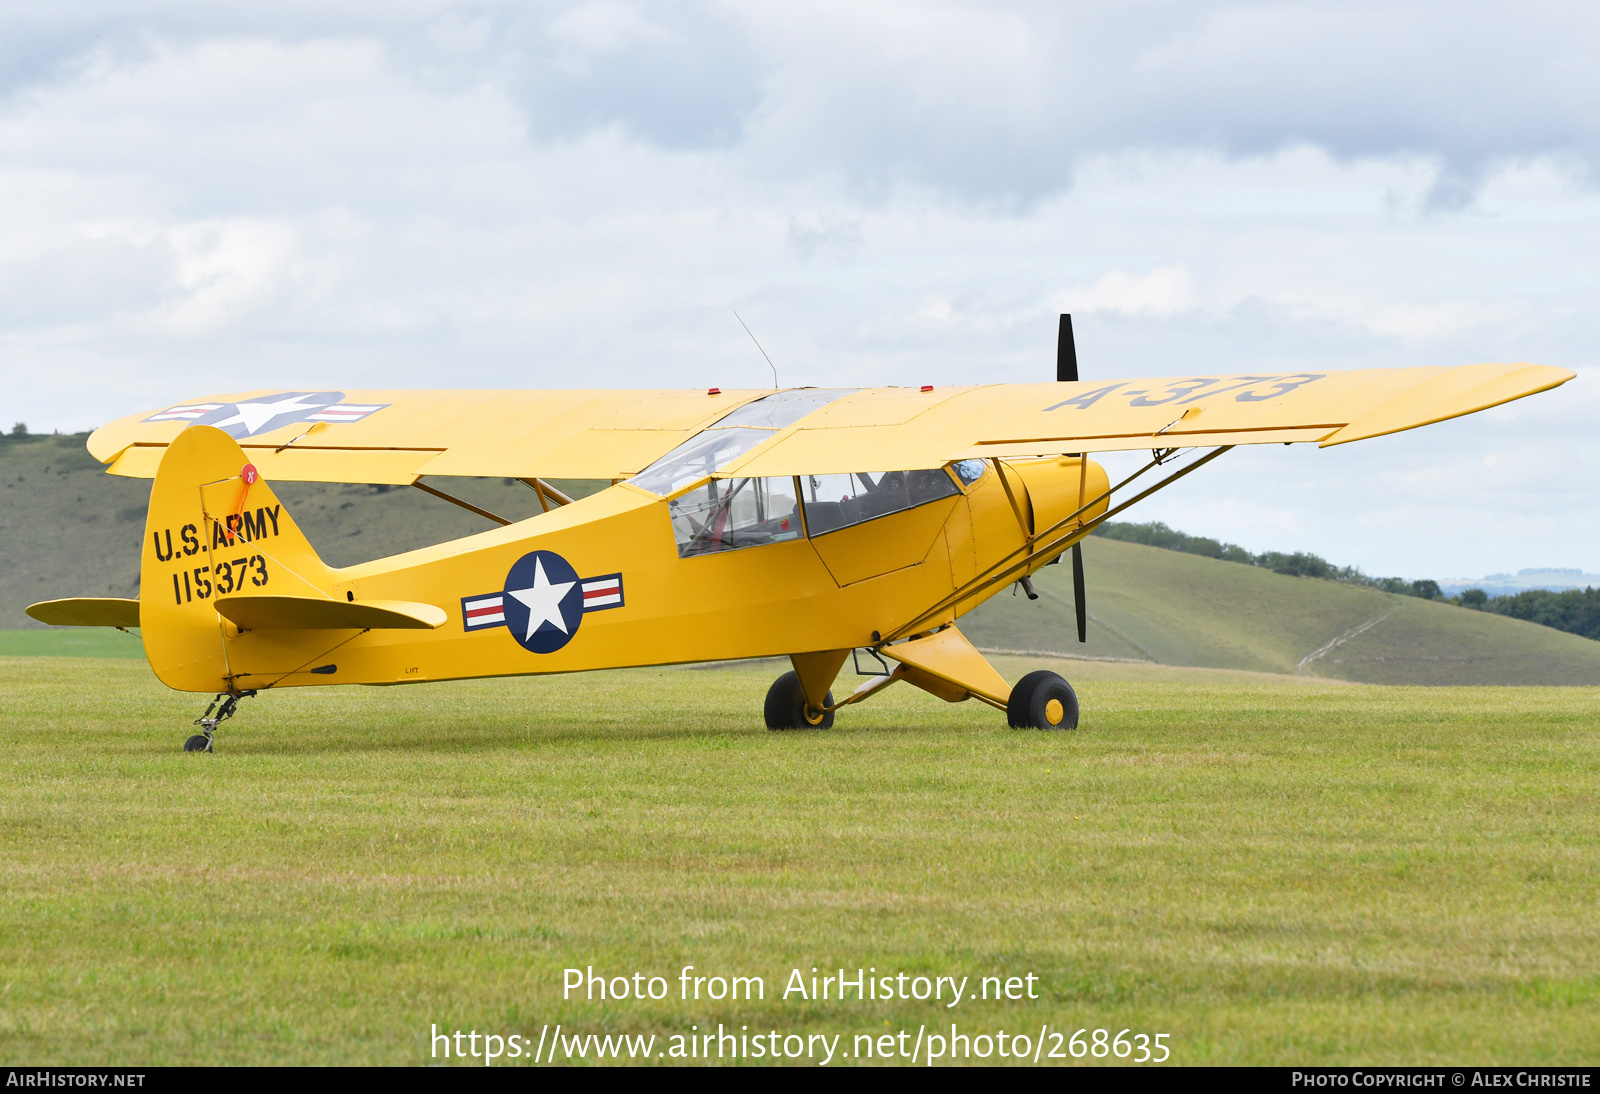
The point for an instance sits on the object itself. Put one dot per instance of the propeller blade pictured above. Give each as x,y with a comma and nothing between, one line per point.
1066,352
1078,599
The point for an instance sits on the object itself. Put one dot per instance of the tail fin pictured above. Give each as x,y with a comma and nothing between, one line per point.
215,528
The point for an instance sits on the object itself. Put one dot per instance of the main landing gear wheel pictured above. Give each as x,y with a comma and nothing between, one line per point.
786,706
198,743
1042,700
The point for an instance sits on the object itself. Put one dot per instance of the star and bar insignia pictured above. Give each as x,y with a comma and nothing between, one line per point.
246,419
543,602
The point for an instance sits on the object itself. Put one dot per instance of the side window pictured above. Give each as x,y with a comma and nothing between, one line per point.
969,471
724,515
838,501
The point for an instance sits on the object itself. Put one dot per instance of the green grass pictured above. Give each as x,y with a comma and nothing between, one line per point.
1269,871
71,642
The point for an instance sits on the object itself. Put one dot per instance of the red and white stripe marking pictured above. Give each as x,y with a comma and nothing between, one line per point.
602,592
185,413
488,611
342,412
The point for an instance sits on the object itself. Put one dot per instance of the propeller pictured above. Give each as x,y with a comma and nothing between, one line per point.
1067,372
1066,352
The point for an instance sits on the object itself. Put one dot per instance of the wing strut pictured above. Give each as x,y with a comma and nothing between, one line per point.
1011,566
467,505
546,493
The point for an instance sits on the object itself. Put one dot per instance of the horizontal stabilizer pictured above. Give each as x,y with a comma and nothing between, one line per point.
308,613
87,611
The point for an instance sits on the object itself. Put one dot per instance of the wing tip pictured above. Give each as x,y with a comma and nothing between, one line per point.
1393,416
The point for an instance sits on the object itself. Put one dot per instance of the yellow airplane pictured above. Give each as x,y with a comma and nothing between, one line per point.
809,523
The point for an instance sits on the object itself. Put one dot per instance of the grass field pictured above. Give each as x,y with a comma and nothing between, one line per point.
1267,870
71,642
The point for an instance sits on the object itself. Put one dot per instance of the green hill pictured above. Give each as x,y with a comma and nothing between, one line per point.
1150,604
69,529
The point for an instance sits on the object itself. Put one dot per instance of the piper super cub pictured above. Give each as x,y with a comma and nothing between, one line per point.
804,522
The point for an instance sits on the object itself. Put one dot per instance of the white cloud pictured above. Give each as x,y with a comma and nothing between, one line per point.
424,194
1159,292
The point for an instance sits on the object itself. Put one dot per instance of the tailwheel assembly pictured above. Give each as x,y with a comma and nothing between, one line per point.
1042,700
786,706
221,709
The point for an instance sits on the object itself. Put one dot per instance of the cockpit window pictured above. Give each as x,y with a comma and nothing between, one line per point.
726,514
838,501
697,457
968,471
734,434
783,408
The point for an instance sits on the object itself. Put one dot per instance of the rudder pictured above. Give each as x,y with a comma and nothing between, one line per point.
211,533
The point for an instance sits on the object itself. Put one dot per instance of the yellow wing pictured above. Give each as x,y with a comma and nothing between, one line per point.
399,436
899,428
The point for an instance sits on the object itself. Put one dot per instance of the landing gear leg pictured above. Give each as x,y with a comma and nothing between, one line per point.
221,709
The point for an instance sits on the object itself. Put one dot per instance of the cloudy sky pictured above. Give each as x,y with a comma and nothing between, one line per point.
199,197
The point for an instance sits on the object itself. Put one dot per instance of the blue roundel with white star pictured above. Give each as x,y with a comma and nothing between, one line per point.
543,602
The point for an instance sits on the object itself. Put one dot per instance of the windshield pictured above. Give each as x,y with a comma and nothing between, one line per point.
783,408
732,435
697,457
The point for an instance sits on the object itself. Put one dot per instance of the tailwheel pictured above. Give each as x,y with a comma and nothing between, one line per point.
786,706
221,709
1042,700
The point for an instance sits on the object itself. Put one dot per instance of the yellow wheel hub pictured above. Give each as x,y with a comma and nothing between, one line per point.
1054,712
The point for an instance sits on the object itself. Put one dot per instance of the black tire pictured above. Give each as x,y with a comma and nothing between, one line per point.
1042,700
198,743
786,706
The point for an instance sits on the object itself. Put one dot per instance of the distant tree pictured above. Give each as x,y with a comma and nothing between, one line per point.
1574,610
19,430
1157,534
1473,598
1298,564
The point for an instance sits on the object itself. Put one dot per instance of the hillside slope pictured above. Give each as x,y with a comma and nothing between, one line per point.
1177,609
69,529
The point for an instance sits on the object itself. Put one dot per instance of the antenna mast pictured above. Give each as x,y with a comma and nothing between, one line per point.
753,338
